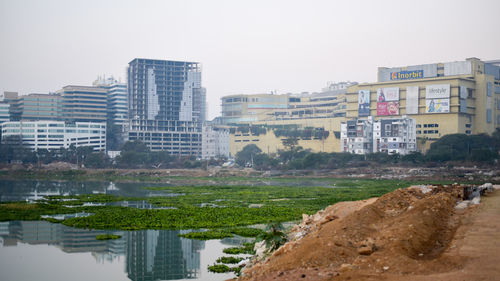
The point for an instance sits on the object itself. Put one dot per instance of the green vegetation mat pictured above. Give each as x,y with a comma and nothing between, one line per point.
204,207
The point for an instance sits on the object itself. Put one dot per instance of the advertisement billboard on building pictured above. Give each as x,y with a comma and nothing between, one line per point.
437,105
412,100
441,91
388,108
387,94
364,103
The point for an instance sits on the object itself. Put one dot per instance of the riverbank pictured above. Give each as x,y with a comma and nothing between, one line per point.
464,174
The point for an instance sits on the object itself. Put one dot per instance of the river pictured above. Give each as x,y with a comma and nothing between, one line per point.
39,250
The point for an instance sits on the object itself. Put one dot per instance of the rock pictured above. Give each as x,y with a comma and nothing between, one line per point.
367,247
385,268
345,267
462,205
476,200
260,248
328,218
365,250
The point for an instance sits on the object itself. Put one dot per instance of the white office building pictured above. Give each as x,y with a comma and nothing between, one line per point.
215,142
55,134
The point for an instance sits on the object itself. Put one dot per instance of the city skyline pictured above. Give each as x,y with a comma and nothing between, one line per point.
244,48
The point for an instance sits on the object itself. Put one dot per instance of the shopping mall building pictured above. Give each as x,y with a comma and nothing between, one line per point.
443,98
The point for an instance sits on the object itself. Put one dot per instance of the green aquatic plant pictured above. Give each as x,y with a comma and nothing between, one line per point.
247,248
229,260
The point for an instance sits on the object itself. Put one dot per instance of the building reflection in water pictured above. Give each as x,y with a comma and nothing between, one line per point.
150,254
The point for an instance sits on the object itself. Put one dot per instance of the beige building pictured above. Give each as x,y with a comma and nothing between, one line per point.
314,119
318,135
443,98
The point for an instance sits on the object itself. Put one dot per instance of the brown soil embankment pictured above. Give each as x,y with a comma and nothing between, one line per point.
405,234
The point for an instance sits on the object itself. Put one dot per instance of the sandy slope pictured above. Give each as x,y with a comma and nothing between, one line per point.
409,236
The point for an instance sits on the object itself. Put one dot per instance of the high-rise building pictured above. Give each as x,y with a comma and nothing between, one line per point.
84,103
36,107
117,101
167,105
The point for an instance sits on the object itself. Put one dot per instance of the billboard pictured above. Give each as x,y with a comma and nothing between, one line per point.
364,103
405,75
437,105
441,91
412,100
387,94
388,108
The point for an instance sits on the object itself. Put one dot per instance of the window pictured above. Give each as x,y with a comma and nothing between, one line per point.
488,115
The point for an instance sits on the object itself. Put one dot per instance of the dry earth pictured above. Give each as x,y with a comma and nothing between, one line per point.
404,235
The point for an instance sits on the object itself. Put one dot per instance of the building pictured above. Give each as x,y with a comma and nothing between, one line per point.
268,120
167,105
245,109
215,142
84,103
387,135
36,107
117,101
395,135
356,136
55,134
443,98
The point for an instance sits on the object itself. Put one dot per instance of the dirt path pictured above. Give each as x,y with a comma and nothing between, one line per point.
478,241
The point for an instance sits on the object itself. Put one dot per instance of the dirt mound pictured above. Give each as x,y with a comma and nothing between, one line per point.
401,232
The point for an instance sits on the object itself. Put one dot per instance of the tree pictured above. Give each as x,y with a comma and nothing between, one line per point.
247,154
97,160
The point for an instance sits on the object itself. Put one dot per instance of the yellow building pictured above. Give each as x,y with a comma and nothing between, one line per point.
314,119
444,98
316,134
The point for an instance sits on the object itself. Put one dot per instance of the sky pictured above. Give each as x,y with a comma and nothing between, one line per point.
245,47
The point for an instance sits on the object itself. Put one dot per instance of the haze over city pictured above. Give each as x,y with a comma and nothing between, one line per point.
244,47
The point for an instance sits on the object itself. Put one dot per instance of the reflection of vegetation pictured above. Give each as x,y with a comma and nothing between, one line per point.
107,236
223,233
207,235
278,203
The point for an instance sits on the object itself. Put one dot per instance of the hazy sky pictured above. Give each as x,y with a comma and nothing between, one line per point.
245,46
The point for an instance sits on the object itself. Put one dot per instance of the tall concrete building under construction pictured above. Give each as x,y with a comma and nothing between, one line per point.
167,105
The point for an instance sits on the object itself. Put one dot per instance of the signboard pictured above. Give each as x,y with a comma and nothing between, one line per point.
387,94
405,75
412,100
437,106
441,91
388,108
364,103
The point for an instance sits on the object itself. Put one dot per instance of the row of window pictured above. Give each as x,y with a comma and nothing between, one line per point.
428,125
428,132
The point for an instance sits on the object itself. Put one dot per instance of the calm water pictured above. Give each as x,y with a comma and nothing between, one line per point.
39,250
